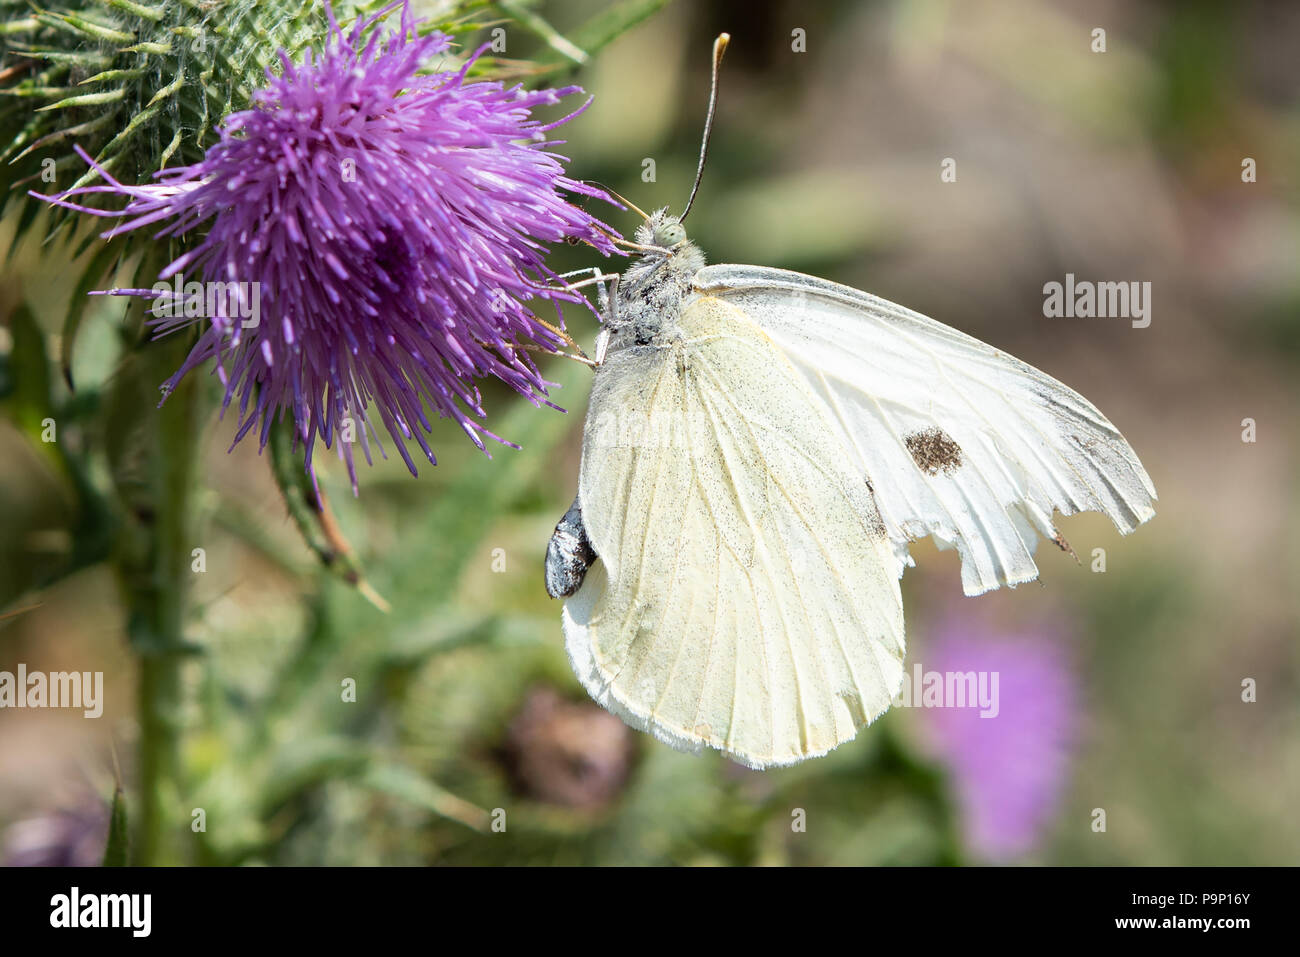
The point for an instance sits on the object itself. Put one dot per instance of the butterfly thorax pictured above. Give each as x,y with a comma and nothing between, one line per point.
654,289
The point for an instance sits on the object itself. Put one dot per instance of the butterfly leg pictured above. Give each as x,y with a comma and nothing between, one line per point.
594,278
568,555
610,311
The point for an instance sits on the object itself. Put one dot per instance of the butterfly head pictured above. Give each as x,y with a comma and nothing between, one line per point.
661,230
665,249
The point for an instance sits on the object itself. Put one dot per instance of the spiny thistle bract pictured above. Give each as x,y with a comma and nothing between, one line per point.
387,226
137,84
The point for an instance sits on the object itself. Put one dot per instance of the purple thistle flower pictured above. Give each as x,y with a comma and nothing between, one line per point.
1007,770
394,225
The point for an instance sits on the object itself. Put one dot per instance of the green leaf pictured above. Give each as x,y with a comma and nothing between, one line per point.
535,24
607,25
310,512
26,390
401,782
80,304
117,849
302,765
25,384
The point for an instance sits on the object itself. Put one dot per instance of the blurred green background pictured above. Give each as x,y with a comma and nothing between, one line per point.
1122,165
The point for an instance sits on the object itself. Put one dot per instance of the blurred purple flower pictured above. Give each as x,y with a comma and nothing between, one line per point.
394,225
1008,770
68,837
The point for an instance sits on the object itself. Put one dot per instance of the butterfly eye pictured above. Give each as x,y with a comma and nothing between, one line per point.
670,234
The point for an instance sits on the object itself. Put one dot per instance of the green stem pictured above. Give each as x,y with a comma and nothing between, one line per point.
159,758
158,586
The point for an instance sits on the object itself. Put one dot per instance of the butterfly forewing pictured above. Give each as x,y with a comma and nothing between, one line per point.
960,440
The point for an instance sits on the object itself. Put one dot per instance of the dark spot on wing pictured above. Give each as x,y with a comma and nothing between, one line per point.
934,451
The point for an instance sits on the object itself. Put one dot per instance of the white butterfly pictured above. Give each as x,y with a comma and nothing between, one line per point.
761,447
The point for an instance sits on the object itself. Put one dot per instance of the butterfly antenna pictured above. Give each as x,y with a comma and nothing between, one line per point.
719,48
620,197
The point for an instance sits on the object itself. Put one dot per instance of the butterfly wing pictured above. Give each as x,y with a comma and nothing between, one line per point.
745,597
959,440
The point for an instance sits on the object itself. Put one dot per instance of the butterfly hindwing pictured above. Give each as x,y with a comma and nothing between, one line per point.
745,596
